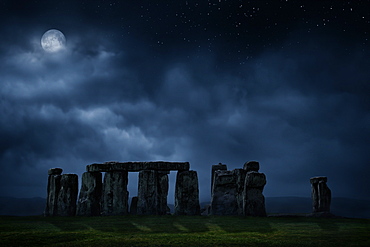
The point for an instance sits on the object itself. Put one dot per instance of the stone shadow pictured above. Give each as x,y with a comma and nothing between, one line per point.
67,225
235,224
327,225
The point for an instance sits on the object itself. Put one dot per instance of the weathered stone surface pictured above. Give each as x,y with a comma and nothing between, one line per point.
240,175
221,167
66,205
252,166
115,194
162,192
224,193
138,166
90,194
255,203
321,195
187,193
152,192
253,199
133,205
55,171
255,180
52,195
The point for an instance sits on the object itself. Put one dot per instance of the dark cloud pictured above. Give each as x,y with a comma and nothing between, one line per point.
300,107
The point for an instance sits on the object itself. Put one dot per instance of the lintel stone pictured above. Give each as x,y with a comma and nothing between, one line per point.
138,166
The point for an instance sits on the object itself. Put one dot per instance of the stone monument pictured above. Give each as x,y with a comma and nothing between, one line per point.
321,195
253,199
187,193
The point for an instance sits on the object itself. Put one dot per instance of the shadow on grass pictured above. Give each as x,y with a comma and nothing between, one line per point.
67,224
235,224
327,225
164,224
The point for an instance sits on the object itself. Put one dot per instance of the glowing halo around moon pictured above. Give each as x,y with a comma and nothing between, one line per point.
53,41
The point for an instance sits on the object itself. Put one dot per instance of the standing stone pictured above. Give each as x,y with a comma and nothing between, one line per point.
152,192
224,194
90,194
252,166
321,195
187,193
133,206
115,194
67,195
162,192
53,191
240,175
254,201
221,167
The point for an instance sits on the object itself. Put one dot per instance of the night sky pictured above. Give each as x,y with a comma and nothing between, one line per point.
286,83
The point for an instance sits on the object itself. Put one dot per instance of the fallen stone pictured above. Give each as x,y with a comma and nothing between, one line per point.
90,194
187,193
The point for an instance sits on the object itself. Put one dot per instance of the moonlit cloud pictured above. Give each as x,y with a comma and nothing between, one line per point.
301,111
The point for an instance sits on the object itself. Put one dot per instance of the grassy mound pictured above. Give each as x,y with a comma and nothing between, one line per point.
182,231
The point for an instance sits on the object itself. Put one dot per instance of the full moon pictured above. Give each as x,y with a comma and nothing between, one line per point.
53,41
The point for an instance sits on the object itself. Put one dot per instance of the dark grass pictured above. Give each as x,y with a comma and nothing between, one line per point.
182,231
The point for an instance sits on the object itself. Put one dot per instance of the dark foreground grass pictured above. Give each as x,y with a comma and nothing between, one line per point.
182,231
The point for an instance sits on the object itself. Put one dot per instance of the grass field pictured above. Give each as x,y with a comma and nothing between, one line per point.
182,231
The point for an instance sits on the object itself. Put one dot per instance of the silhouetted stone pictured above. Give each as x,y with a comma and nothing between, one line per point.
66,205
152,192
90,194
240,175
138,166
162,192
187,193
224,193
252,166
55,171
221,167
133,205
321,195
53,192
254,201
115,194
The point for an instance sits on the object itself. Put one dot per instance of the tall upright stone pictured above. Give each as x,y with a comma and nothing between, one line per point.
240,175
224,193
67,195
162,192
54,176
219,166
115,194
321,195
152,192
90,194
187,193
253,199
